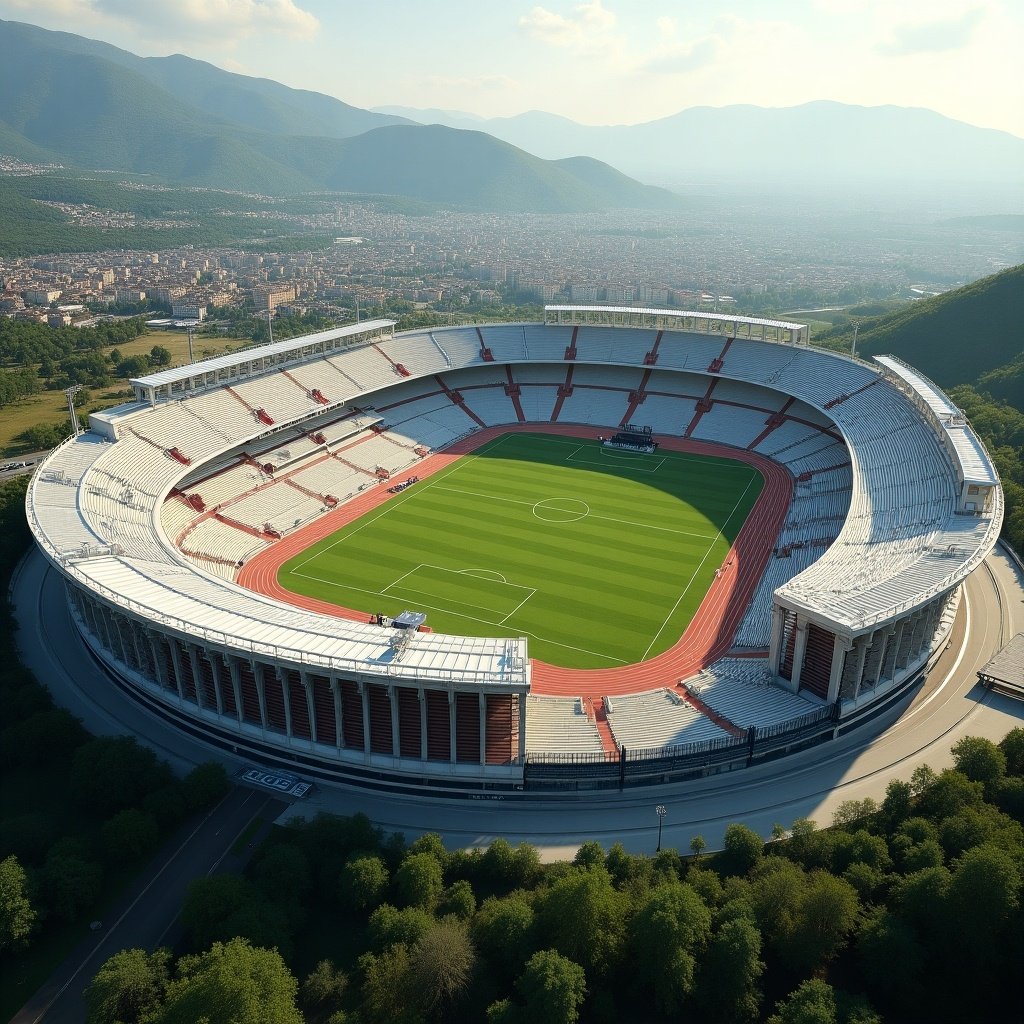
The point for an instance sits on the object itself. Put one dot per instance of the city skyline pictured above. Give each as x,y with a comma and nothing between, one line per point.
597,62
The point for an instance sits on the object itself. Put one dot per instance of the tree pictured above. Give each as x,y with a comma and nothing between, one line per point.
205,785
854,812
111,772
390,926
922,779
887,939
388,993
897,803
979,759
283,875
210,902
363,883
323,990
17,916
983,893
814,1002
697,846
502,930
129,836
430,842
826,913
1012,746
950,793
232,983
458,901
668,935
129,987
553,988
441,964
742,849
730,972
69,885
583,916
589,855
159,356
418,881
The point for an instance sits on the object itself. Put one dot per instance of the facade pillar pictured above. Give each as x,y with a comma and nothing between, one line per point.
840,646
364,694
896,642
159,667
176,662
421,693
775,647
235,676
522,728
260,676
452,735
217,666
799,650
483,728
885,638
307,685
336,697
282,678
863,643
197,676
396,744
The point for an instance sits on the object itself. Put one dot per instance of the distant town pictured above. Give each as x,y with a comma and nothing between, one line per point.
726,253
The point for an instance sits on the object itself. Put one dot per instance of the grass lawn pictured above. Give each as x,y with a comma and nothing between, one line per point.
599,557
51,406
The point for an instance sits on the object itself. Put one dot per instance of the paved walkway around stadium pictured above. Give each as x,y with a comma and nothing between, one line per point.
709,634
811,783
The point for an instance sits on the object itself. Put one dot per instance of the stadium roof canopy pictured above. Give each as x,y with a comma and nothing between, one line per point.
277,351
974,462
731,318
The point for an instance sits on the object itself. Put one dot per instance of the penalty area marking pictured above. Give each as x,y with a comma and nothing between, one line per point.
484,574
561,515
627,460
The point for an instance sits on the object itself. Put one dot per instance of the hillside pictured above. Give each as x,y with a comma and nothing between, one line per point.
92,106
255,103
969,341
954,337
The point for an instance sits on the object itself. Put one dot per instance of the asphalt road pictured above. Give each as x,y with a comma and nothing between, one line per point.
147,916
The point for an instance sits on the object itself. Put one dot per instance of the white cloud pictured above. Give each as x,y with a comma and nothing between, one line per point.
933,36
590,27
223,22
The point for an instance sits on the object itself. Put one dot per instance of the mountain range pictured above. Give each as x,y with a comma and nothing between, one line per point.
81,102
90,105
822,141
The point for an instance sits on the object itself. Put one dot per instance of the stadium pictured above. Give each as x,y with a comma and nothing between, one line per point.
617,547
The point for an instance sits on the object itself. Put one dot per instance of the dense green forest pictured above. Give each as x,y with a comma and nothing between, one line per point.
969,341
908,911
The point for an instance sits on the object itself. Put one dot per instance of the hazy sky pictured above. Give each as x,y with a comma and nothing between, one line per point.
599,61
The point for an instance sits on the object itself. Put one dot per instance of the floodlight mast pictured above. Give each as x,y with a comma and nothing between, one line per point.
70,393
660,811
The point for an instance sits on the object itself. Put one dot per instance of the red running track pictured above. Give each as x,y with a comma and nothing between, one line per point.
709,634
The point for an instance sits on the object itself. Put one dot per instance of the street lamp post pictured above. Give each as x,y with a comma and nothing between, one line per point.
660,811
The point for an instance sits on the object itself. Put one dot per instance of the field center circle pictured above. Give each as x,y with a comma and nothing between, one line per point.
561,510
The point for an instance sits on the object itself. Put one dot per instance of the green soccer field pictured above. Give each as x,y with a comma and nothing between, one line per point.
599,557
